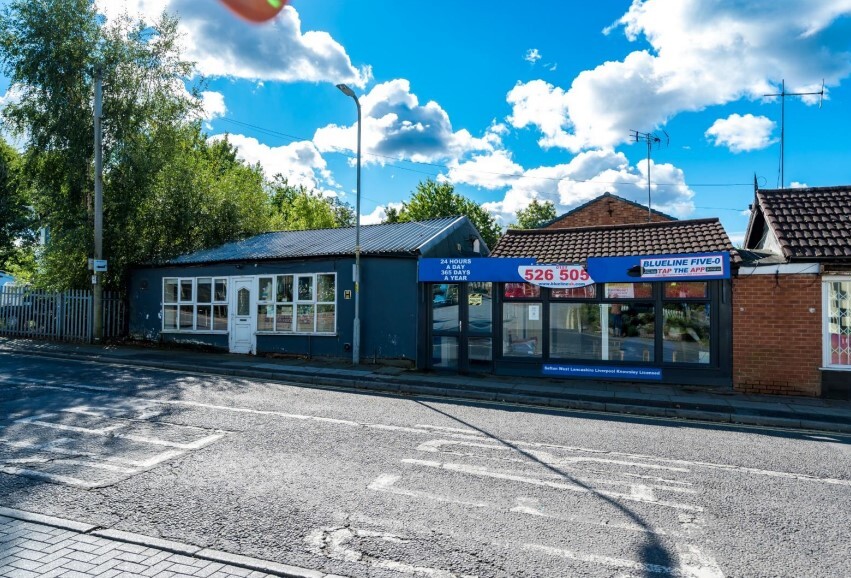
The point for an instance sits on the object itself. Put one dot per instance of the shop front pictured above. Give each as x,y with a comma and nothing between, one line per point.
651,318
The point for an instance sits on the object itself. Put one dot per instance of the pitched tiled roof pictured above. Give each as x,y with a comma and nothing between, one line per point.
601,198
810,223
575,245
394,238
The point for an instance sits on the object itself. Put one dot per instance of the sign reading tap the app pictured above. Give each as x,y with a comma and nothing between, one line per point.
709,265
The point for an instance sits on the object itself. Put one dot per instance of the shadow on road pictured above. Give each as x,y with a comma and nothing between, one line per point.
652,554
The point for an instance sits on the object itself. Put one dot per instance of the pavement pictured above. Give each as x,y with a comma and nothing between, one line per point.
45,546
662,401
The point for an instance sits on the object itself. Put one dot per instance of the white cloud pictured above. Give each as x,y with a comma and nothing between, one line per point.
532,55
701,54
224,45
590,174
300,162
378,214
213,104
738,238
742,133
396,126
797,185
489,171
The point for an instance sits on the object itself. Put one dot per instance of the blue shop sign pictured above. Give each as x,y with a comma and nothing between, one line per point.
680,267
603,372
462,269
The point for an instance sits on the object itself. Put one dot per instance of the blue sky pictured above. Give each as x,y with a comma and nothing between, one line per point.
512,101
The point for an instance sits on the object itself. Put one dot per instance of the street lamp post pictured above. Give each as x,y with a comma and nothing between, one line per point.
356,338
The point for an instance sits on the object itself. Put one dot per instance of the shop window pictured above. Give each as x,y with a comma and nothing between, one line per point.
631,331
480,307
522,329
195,304
687,290
297,303
587,292
444,307
521,291
838,323
686,332
629,291
576,330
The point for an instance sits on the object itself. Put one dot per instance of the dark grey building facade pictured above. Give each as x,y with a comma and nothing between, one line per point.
292,292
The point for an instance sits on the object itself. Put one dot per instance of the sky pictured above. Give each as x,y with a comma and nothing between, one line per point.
514,101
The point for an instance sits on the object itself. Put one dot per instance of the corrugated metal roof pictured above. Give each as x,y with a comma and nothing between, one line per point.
391,238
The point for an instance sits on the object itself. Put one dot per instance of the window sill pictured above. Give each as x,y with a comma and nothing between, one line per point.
194,332
836,368
294,333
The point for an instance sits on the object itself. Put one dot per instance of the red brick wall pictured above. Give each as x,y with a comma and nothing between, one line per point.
607,211
777,340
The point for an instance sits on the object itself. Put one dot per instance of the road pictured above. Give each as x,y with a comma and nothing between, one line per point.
388,487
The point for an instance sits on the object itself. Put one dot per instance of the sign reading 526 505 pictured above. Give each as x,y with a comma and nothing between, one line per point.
556,276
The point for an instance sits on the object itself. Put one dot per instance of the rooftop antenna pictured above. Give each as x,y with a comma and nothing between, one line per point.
783,94
652,140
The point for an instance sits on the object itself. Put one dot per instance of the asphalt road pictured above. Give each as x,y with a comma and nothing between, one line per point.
384,486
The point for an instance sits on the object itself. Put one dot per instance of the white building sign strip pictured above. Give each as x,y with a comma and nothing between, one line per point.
556,276
668,267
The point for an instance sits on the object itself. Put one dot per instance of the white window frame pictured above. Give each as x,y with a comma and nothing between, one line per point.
826,341
194,303
296,301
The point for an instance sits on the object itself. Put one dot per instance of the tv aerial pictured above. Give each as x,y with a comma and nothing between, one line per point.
652,140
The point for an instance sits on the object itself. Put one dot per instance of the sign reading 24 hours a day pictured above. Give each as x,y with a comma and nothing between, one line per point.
556,276
711,265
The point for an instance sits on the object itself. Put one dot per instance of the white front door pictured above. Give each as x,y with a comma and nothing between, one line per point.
243,337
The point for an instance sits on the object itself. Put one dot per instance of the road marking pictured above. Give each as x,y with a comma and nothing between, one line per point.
484,472
531,507
52,447
386,483
695,564
67,480
614,457
36,420
334,543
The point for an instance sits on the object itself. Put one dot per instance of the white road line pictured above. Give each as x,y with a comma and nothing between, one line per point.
674,464
531,507
386,483
484,472
334,543
197,444
71,462
619,563
697,565
36,420
51,447
67,480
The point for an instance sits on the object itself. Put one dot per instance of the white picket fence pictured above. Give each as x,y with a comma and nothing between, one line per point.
61,316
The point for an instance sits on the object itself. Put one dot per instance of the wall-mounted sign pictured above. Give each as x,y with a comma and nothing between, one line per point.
682,267
556,276
620,291
462,269
603,372
668,267
347,294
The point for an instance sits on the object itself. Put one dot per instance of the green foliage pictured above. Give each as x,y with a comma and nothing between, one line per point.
167,189
298,208
535,215
433,200
16,220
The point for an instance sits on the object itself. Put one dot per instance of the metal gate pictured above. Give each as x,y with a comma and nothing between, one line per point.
61,316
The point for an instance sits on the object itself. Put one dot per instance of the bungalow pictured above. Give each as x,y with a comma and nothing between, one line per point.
292,292
792,297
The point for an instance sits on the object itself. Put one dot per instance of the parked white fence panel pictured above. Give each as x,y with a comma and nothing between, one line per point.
61,316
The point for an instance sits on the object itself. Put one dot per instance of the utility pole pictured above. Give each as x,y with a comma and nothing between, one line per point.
97,278
651,139
783,94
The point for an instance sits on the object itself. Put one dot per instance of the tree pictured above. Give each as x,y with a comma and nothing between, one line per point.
167,190
432,200
16,223
536,214
297,208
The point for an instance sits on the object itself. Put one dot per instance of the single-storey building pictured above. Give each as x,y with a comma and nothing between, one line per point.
792,296
637,301
292,292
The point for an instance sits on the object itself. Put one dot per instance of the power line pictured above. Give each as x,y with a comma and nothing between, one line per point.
345,153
